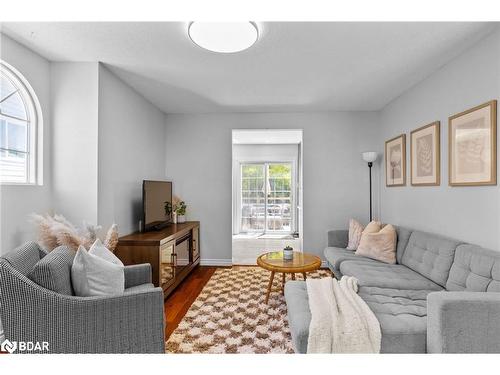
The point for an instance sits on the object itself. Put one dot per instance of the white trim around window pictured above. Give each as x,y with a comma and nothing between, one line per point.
238,199
21,125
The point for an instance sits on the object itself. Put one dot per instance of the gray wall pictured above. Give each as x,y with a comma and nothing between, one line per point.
106,138
198,161
131,148
466,213
18,201
75,119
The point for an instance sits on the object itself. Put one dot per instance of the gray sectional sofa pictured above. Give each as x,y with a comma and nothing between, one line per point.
442,296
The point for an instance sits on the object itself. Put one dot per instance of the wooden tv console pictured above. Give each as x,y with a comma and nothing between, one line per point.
173,252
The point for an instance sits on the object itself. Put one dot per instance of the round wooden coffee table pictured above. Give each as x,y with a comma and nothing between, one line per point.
274,262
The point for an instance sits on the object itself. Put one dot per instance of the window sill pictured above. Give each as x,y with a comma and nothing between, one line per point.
2,183
261,236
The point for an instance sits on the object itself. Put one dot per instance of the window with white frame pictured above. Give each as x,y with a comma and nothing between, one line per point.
267,197
19,120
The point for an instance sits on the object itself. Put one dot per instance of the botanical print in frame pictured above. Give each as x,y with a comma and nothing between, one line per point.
425,155
395,161
472,146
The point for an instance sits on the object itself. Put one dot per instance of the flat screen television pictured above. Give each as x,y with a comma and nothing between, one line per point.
156,195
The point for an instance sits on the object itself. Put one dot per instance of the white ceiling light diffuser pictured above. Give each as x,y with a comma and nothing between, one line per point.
223,37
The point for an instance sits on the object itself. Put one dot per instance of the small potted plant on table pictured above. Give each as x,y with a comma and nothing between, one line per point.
178,210
288,253
181,212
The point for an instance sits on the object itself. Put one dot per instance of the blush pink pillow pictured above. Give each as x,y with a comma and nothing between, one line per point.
355,230
378,244
373,227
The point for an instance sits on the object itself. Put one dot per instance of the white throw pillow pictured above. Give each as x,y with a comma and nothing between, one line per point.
93,275
98,249
355,230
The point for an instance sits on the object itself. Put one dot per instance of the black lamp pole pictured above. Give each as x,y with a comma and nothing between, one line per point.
370,157
370,165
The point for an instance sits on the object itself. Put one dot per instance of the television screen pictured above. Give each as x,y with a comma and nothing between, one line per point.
155,196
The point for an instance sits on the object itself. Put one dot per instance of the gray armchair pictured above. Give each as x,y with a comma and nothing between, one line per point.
128,323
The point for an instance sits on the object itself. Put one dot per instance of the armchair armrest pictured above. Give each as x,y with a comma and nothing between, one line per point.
126,323
463,322
137,274
338,238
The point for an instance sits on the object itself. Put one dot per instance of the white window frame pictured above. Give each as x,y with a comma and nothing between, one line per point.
34,125
294,188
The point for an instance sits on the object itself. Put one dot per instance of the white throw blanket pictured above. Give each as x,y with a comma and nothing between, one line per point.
341,321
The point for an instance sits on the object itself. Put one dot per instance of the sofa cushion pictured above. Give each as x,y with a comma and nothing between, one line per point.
24,257
387,276
53,271
474,269
403,238
430,255
401,314
299,315
336,255
338,238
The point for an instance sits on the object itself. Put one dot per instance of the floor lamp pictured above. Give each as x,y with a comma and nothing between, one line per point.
370,157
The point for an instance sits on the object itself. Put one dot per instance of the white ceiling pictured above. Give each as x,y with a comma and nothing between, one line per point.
294,66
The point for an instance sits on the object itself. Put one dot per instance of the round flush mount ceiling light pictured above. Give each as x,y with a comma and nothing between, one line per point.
223,37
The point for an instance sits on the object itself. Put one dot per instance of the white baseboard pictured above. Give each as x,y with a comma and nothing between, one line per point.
216,262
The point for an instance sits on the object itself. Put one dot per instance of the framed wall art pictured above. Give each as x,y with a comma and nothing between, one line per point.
395,161
472,146
425,156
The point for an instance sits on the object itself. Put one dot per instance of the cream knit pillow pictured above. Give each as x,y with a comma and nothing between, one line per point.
379,245
355,230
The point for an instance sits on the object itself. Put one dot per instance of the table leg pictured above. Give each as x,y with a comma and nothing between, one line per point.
293,276
304,274
270,286
283,284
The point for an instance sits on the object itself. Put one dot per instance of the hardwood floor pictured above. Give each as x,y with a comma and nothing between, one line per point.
178,303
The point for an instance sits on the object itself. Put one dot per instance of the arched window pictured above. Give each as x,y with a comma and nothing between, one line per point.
20,125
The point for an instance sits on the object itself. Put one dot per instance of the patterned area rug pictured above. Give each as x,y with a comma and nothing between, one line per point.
230,316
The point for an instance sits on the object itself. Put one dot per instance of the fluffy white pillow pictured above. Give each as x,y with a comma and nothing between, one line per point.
97,273
355,230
